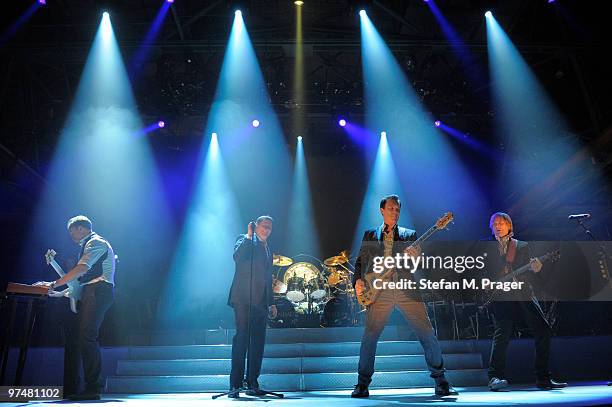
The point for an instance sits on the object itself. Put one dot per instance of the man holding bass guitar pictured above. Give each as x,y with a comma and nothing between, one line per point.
510,307
387,240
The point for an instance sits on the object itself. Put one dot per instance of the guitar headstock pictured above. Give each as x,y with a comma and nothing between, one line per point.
444,220
50,255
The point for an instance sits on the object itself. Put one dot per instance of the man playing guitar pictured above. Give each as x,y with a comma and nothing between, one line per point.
94,276
387,240
508,308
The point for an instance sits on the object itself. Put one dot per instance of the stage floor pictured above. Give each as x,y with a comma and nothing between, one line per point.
578,394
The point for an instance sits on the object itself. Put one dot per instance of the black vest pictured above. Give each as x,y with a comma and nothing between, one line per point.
96,270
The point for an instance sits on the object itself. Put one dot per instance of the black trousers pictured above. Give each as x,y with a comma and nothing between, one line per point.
82,338
240,343
506,314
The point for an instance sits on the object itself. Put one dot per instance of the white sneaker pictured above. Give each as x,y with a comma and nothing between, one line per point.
496,384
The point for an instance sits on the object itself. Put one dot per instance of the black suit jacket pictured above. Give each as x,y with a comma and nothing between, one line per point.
372,245
522,257
502,307
261,293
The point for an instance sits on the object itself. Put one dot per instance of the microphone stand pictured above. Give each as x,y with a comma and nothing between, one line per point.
244,388
603,250
605,254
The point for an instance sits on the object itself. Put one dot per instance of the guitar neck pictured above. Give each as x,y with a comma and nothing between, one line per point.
421,238
425,236
58,269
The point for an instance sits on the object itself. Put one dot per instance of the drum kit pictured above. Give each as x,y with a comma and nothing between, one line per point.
307,295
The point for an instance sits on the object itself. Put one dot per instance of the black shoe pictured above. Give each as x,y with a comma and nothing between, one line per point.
361,391
549,384
84,396
254,390
445,389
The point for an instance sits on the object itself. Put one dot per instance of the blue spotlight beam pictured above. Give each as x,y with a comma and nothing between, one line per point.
531,127
469,141
101,170
430,173
202,268
12,29
258,162
143,51
230,191
471,68
383,181
302,231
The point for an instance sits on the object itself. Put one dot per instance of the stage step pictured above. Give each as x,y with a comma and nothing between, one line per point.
273,335
299,359
342,364
292,350
289,382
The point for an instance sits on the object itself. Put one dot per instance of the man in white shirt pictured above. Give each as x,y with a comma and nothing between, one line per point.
95,271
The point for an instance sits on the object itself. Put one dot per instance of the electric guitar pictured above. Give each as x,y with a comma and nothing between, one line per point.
369,294
551,256
74,288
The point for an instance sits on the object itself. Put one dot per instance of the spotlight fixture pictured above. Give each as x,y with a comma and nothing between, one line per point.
214,135
255,123
161,124
238,13
42,2
342,122
170,1
383,134
437,123
362,13
298,3
488,14
299,138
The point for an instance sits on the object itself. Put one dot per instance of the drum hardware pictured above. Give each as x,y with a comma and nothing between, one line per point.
306,291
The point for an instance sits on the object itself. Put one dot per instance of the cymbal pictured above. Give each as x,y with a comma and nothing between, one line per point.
281,261
336,260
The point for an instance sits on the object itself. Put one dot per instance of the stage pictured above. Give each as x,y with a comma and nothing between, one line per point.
577,394
185,184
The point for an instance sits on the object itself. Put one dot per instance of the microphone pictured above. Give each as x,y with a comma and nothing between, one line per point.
580,216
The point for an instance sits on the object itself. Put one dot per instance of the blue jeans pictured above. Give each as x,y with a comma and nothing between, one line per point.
415,313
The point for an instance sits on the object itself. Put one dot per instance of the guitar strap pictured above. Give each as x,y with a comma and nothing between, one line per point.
510,255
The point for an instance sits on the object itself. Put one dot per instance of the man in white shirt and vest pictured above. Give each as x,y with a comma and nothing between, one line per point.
95,271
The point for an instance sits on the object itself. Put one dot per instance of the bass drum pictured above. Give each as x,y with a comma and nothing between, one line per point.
337,312
286,317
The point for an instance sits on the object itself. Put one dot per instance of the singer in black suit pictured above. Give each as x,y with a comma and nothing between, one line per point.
251,297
